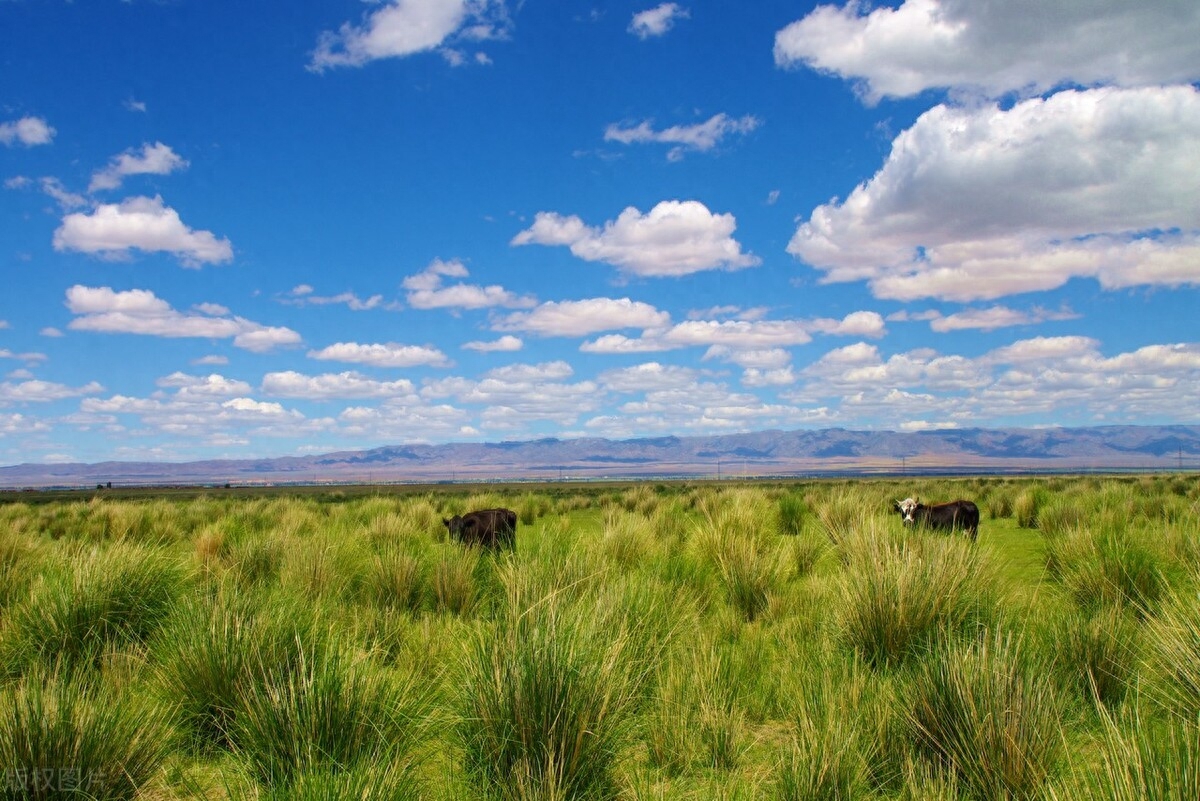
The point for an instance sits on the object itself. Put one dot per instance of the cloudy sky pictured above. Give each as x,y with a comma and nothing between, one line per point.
345,224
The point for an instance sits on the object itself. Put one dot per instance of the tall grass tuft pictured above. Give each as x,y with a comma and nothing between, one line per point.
398,579
830,748
115,598
740,539
331,713
843,515
899,598
1108,566
1101,655
66,735
793,511
455,589
202,661
1172,669
1143,760
1028,504
547,697
987,712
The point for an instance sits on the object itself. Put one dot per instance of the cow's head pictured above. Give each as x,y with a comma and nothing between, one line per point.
907,508
454,526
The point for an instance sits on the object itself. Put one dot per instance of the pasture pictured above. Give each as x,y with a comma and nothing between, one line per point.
783,640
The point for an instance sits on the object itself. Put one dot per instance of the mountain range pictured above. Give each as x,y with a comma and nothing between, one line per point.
761,453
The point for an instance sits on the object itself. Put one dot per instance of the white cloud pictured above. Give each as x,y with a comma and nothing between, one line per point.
995,317
764,359
113,229
656,21
155,159
1102,183
65,198
649,377
389,354
574,318
290,384
29,357
27,131
405,27
212,385
518,394
504,344
674,238
741,335
212,359
302,295
20,424
995,48
140,311
425,290
36,391
701,137
1067,376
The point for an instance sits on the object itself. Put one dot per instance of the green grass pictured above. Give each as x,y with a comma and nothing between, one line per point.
675,641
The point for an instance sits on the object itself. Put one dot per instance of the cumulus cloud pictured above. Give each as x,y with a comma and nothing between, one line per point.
212,385
504,344
656,21
993,317
350,384
27,131
37,391
649,377
702,137
1102,183
140,311
1068,375
426,290
674,238
20,424
738,335
574,318
517,394
389,354
112,230
155,159
996,48
403,28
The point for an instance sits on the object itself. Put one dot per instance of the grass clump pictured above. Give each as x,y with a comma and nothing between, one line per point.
331,714
1143,760
830,750
548,695
900,598
64,734
116,598
986,712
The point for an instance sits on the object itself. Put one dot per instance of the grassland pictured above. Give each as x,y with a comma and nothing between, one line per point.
643,641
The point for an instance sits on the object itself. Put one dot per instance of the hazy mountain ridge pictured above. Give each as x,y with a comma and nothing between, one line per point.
730,455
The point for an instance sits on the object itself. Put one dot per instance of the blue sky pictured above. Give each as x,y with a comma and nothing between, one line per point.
339,225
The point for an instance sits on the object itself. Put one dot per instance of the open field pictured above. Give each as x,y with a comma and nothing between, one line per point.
681,640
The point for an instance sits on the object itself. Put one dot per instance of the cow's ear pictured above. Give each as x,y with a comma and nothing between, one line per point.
445,522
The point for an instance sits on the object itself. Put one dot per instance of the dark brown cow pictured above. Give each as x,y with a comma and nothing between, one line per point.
491,528
945,516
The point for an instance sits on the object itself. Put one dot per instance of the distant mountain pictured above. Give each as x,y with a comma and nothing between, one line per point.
759,453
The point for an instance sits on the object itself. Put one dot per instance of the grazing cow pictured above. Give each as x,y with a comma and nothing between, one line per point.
947,516
491,528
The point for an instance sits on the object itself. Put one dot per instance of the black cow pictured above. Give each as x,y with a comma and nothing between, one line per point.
947,516
491,528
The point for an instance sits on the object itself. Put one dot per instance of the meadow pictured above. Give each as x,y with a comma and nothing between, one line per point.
779,640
